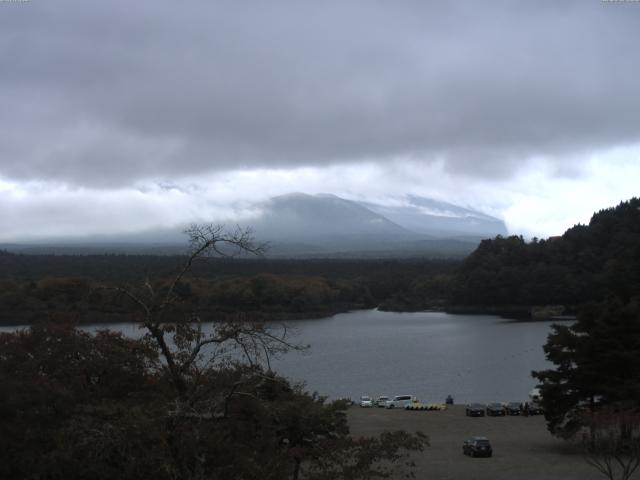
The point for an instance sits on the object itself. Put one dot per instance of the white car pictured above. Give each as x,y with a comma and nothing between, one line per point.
400,401
366,401
382,401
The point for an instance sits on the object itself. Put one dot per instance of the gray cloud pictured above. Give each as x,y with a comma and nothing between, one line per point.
109,93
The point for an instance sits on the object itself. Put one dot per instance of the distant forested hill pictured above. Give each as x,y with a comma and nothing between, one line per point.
36,287
587,263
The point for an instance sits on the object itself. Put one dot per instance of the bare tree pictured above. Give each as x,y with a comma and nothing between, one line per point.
610,442
182,338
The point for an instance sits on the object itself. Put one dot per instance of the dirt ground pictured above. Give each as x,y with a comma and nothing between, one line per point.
523,449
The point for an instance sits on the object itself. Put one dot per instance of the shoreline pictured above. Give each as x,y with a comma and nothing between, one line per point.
509,313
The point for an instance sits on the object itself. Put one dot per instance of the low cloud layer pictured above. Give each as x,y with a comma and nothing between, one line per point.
533,203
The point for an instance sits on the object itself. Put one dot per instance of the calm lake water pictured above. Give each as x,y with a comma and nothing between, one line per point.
428,354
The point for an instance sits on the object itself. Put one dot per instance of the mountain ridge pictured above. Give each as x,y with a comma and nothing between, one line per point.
299,224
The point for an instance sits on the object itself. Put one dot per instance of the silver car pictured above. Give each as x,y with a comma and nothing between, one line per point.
400,401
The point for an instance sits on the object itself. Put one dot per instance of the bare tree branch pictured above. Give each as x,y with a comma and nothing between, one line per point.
189,341
612,443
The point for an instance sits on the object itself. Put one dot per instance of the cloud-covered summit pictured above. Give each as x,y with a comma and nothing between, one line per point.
127,116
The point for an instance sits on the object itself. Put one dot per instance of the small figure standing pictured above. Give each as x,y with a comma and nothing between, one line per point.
449,400
525,410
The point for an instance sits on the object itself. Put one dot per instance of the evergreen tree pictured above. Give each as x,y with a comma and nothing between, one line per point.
587,263
597,363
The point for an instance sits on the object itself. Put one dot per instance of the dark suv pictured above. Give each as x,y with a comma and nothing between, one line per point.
535,409
512,408
495,410
474,410
477,447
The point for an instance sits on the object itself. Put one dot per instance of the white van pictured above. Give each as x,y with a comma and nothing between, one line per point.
400,401
534,395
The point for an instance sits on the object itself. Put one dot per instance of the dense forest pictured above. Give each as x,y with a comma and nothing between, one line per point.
587,263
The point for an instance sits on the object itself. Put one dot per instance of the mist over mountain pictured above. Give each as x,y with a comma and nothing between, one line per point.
301,216
440,219
298,216
303,225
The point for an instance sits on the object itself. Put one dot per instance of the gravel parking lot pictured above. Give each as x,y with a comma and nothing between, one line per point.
523,449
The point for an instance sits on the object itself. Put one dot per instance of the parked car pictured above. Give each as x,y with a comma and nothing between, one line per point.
400,401
366,401
382,400
474,410
477,447
495,410
512,408
535,409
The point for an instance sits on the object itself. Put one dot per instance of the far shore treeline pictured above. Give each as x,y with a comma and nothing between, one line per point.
505,275
32,285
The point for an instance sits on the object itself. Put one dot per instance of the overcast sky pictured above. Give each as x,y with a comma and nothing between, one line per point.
120,116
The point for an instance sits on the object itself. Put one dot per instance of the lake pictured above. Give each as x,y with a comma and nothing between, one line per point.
428,354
